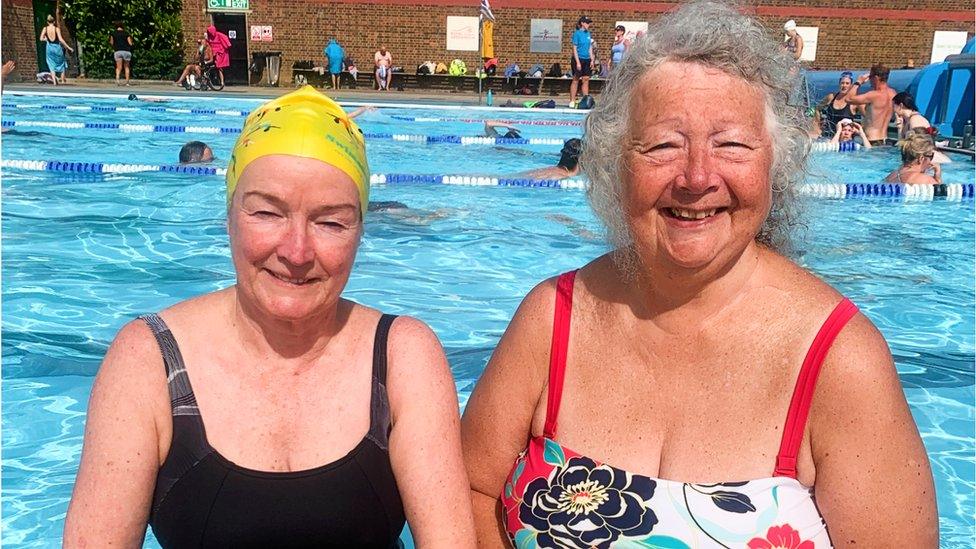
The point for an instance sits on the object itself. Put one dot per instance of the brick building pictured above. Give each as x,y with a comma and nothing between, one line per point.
851,33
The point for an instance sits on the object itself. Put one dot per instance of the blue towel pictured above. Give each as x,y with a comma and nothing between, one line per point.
335,54
55,58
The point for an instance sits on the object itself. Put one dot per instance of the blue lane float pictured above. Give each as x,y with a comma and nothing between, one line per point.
883,191
215,130
106,108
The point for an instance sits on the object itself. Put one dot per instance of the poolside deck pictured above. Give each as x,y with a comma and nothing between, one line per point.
359,95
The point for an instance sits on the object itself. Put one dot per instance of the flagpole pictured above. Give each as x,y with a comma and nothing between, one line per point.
481,63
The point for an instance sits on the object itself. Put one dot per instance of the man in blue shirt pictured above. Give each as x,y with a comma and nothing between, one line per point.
582,57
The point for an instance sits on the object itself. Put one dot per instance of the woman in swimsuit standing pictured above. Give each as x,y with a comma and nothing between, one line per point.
275,413
56,62
619,47
907,117
834,107
917,155
667,394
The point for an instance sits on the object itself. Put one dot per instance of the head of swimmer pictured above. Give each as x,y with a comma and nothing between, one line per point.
196,152
570,153
846,79
847,129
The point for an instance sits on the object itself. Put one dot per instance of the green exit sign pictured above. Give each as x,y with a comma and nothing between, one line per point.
228,5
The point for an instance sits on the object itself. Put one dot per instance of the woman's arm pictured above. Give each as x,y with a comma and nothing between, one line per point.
121,454
128,38
497,422
873,481
425,442
836,137
57,30
799,46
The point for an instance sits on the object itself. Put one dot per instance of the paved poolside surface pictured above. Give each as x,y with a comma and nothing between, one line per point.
364,95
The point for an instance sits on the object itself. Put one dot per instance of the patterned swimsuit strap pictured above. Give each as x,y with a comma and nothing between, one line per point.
559,349
806,382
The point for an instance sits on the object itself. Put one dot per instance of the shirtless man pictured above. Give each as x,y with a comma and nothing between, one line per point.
878,103
383,65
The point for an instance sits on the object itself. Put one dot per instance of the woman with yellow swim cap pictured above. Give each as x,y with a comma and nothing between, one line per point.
274,412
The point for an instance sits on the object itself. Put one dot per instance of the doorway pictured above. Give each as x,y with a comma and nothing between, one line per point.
234,26
42,8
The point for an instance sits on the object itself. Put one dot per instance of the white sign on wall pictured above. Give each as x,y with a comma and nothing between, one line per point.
546,36
256,33
462,33
809,36
947,43
633,29
266,34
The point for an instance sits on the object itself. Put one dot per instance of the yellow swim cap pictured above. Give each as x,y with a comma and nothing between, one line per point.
302,123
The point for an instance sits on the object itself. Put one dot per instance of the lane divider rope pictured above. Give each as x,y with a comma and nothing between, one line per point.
833,146
898,191
157,128
482,121
106,108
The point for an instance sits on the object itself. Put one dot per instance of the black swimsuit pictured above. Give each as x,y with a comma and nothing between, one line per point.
833,116
204,500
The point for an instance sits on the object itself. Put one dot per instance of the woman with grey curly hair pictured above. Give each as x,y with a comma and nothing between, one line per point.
628,402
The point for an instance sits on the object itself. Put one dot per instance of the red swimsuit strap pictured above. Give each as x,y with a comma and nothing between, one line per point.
806,382
559,349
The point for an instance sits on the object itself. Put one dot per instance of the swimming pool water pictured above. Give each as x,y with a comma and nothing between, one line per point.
84,254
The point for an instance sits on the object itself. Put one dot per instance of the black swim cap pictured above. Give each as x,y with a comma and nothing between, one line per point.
512,134
132,97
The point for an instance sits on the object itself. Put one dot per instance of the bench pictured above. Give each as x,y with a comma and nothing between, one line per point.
466,83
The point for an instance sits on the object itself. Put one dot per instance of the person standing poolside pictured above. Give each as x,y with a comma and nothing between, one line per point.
695,387
793,42
877,102
334,52
383,68
122,45
582,57
619,47
54,53
917,155
276,413
907,117
220,46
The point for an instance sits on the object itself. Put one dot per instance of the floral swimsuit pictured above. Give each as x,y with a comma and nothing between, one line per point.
555,497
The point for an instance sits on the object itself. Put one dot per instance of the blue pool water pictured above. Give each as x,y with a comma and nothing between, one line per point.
83,254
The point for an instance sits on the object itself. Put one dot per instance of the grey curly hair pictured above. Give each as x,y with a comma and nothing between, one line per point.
714,34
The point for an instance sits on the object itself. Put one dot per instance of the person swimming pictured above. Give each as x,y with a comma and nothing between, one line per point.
196,152
492,127
568,165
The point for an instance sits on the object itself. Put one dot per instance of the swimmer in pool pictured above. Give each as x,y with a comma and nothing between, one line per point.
134,97
492,127
196,152
568,165
402,212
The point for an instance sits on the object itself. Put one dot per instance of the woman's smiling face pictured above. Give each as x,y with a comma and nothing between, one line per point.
696,186
295,226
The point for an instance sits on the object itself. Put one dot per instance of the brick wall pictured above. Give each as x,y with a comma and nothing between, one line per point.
853,33
18,38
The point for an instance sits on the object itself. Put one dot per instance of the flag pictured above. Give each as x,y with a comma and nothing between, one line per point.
486,11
